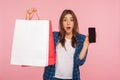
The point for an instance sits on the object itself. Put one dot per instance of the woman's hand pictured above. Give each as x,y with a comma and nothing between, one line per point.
30,13
86,42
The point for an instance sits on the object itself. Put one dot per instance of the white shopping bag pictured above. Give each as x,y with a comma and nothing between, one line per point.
30,43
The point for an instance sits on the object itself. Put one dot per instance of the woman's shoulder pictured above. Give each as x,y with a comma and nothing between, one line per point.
79,35
56,34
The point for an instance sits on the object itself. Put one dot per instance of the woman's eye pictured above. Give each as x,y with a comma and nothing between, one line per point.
71,20
64,20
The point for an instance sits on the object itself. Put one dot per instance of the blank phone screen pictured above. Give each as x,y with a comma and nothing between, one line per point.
92,34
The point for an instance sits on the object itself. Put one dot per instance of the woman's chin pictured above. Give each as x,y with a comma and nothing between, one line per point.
68,32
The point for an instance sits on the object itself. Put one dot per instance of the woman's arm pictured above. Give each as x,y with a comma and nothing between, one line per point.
84,49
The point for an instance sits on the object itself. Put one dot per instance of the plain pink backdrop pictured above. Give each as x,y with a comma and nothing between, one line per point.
103,60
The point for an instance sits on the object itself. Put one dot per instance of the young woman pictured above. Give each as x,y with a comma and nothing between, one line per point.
71,48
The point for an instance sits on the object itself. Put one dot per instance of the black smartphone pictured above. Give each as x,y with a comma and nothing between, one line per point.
92,34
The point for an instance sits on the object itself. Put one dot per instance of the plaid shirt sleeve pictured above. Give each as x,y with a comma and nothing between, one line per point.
77,61
80,40
49,72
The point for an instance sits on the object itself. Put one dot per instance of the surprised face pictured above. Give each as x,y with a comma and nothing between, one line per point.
68,23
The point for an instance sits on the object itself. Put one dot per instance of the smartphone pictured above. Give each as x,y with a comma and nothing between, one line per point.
92,34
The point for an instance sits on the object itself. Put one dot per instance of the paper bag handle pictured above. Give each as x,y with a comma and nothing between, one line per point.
37,15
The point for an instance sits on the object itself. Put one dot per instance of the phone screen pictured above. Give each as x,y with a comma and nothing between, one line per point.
92,34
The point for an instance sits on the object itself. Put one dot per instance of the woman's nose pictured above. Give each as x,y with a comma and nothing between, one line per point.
68,22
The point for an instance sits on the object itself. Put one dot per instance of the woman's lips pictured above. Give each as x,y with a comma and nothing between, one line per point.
68,27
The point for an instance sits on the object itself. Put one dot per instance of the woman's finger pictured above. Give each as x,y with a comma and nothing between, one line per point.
32,10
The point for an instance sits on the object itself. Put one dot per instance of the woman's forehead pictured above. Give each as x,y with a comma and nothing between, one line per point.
68,15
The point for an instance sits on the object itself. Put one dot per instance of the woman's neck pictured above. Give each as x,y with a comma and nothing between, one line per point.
69,36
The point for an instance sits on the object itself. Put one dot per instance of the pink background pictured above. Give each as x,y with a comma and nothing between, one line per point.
103,60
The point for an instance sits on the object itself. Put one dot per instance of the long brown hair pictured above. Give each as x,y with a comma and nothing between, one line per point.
62,31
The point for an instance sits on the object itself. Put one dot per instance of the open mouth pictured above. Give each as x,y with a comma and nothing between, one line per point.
68,27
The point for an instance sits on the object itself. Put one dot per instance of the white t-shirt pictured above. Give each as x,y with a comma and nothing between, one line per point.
64,60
